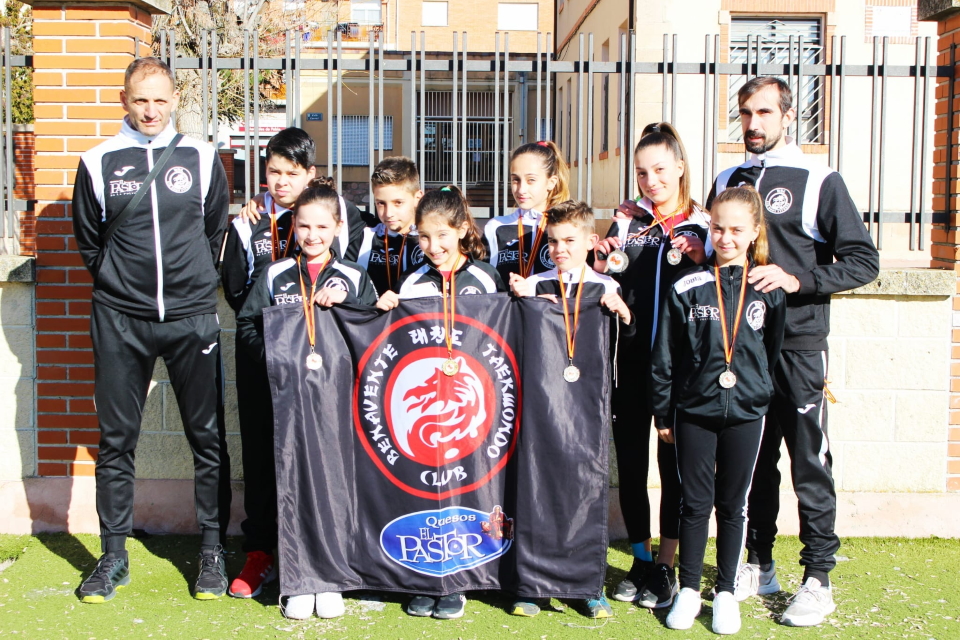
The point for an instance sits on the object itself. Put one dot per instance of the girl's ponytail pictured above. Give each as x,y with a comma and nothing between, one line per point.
553,165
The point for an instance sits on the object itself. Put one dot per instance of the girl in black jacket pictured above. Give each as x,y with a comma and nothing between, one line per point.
717,343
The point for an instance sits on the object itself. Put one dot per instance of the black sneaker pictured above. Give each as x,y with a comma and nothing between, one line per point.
660,588
450,607
422,606
212,581
630,587
111,573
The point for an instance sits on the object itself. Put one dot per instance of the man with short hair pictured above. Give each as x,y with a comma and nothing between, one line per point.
154,295
818,246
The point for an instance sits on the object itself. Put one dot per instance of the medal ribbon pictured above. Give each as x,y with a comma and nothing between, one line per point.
571,334
275,233
451,286
386,250
308,302
728,344
660,221
526,269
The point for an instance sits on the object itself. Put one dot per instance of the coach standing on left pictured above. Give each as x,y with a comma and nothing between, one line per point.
154,295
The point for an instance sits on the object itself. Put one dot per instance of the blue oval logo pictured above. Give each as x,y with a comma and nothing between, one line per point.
446,541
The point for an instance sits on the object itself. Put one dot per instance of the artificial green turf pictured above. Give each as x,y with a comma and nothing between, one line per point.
884,588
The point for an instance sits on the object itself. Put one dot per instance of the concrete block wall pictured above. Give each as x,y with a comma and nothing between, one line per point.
17,370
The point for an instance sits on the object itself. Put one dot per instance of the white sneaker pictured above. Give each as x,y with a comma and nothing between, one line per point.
753,581
298,607
809,606
686,608
330,605
726,614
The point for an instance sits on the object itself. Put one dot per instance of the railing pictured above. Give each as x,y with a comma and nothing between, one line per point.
9,206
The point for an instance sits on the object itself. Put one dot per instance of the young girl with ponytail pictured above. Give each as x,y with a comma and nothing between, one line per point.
716,346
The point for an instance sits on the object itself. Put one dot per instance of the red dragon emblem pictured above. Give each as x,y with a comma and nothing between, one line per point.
444,418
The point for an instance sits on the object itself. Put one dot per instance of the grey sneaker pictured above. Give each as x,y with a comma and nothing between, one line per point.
753,581
809,606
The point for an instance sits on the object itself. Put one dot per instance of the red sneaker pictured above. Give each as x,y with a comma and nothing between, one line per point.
259,569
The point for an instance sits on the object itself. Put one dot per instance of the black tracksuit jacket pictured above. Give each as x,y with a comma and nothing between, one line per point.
503,243
405,254
160,264
811,220
280,285
688,352
473,277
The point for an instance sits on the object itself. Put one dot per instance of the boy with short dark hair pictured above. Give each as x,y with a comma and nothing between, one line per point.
571,236
391,247
251,246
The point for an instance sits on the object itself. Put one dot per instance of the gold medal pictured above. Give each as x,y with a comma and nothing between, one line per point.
571,373
450,367
314,361
728,378
674,256
617,261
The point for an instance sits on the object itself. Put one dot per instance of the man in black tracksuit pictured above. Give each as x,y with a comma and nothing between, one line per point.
819,247
154,294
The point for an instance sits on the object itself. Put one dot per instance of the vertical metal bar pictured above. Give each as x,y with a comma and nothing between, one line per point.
673,82
246,115
164,54
749,48
215,92
256,109
506,119
632,105
540,134
203,82
799,130
706,120
950,209
923,140
793,128
371,114
13,226
339,111
580,105
287,78
874,100
547,113
913,147
716,105
172,40
622,124
380,118
588,156
465,138
329,65
423,110
842,96
834,104
666,53
883,145
454,160
496,125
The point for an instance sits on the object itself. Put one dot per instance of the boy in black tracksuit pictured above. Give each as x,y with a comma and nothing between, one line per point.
820,246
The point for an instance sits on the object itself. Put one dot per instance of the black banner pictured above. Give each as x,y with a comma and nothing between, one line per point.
394,476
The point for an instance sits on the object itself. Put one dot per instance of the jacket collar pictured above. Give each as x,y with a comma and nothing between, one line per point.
130,132
785,155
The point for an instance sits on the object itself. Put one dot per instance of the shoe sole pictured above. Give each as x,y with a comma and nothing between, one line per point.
808,622
600,615
205,595
622,598
419,614
769,589
256,591
518,611
102,599
448,616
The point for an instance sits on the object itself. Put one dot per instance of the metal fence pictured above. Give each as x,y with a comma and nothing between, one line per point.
455,140
9,219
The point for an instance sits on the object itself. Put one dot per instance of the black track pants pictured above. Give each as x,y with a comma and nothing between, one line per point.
125,351
716,464
798,416
631,437
256,440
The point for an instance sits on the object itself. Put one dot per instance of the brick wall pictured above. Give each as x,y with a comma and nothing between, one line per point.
80,57
944,245
23,172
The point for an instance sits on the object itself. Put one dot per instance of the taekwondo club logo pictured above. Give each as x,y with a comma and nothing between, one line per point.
545,257
445,541
431,434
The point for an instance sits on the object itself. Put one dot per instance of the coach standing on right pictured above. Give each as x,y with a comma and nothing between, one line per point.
818,246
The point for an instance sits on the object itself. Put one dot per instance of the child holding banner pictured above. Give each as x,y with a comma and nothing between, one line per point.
571,236
712,387
317,223
662,234
539,179
450,240
390,248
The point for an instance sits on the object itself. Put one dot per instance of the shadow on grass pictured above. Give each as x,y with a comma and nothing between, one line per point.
71,549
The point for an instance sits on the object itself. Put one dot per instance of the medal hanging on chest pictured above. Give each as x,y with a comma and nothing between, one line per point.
451,365
386,252
571,373
617,261
314,360
526,266
674,255
728,378
275,234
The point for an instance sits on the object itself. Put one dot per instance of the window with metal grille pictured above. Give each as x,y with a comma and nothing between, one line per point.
356,141
779,42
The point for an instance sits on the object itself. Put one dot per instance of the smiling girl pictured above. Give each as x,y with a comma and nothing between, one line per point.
717,344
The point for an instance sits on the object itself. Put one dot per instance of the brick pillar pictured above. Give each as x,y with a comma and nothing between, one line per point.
81,52
945,243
